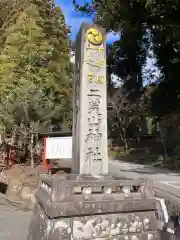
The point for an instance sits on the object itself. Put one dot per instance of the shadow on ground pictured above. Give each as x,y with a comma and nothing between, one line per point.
150,171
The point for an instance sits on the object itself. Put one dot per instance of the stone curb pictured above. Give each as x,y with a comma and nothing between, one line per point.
18,204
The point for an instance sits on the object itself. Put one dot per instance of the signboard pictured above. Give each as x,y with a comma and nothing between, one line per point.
58,147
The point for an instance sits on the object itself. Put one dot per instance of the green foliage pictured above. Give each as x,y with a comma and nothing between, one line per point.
23,59
160,158
128,55
132,150
59,65
146,27
35,70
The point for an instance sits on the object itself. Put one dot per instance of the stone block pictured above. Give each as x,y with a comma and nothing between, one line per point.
119,226
76,207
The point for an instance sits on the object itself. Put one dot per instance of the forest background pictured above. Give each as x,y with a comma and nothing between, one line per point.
143,62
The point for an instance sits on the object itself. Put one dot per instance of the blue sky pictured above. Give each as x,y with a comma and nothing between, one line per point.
74,19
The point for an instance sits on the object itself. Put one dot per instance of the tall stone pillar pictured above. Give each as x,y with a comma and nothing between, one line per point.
90,103
89,204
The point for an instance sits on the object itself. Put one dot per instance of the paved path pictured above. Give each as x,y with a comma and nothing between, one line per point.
13,223
164,179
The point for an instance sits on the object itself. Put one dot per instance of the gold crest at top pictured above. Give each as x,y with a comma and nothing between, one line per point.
94,36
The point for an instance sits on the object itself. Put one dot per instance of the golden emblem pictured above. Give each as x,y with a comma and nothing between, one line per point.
94,36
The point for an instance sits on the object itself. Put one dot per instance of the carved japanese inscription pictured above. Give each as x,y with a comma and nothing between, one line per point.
96,98
91,116
93,137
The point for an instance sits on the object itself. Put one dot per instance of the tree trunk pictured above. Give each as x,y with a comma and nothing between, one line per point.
126,145
125,139
163,142
31,151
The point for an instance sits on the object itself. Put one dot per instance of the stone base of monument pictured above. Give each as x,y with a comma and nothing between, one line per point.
73,207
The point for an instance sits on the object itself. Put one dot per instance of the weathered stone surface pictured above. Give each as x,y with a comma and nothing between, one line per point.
75,196
42,227
86,209
90,103
149,222
83,208
64,188
38,229
14,189
61,230
91,227
144,236
27,194
112,225
135,225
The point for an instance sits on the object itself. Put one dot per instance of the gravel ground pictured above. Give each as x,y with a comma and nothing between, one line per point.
13,223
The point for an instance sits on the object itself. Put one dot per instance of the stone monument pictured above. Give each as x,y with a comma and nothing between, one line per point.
88,204
90,103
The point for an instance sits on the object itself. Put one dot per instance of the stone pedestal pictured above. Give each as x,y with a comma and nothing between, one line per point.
84,206
75,207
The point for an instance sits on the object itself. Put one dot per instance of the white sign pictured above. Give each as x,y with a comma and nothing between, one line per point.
58,147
